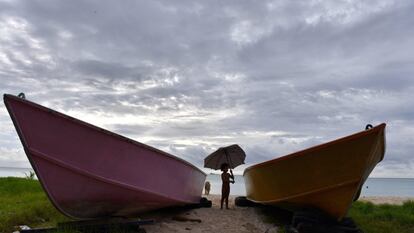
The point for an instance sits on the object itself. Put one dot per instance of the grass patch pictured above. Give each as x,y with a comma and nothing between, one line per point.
369,218
23,202
384,218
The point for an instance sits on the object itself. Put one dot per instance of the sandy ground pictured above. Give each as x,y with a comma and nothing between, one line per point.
237,219
386,200
212,220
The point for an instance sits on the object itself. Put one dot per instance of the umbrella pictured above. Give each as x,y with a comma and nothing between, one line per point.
232,155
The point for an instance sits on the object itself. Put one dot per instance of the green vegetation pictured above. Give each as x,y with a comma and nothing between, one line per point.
384,218
30,175
368,217
23,202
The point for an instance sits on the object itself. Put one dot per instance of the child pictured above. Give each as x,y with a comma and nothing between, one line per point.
225,188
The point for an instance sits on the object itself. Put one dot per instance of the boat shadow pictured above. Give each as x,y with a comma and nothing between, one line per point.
176,213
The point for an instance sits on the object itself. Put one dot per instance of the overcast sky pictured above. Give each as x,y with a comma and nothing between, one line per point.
188,77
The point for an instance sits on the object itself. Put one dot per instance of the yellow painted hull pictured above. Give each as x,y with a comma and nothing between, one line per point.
328,176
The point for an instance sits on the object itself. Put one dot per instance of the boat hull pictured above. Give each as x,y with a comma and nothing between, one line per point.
328,177
88,172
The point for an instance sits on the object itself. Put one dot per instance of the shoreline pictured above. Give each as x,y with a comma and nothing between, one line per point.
391,200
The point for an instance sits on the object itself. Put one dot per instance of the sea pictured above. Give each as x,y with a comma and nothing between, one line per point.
401,187
15,171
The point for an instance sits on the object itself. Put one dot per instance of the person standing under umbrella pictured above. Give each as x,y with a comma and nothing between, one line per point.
226,178
225,158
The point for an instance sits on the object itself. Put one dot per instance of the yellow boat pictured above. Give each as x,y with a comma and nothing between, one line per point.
328,176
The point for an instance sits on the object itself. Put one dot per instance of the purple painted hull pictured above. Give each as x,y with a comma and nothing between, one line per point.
89,172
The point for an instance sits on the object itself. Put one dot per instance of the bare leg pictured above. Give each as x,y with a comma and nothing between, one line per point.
221,203
227,202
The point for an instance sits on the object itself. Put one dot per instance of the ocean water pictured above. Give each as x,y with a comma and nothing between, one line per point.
402,187
235,189
14,171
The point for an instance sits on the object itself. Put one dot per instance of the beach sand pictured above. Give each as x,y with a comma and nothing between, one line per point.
236,219
386,200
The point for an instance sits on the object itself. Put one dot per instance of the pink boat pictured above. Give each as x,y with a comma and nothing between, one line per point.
88,172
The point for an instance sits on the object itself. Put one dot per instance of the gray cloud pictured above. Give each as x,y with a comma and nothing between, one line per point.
191,76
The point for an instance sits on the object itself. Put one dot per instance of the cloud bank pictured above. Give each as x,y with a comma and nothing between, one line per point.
190,76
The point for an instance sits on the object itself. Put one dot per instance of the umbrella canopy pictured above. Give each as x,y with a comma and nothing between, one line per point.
232,155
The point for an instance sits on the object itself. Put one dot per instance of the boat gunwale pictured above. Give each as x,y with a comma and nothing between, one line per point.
317,147
94,127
